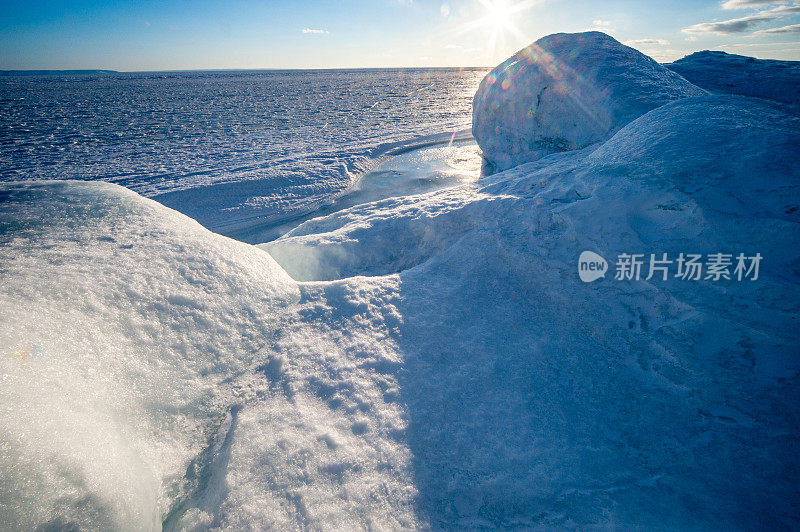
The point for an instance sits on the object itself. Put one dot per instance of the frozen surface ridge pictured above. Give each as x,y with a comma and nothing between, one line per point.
427,361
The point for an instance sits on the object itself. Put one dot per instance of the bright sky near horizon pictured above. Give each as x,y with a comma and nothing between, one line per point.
204,34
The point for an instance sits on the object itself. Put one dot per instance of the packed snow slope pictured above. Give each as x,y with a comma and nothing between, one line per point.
735,74
564,92
429,361
122,327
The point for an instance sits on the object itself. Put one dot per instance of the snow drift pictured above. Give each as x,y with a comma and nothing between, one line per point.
123,327
564,92
441,365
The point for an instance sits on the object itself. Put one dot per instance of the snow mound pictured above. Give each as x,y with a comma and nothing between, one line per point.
565,92
536,400
735,74
123,327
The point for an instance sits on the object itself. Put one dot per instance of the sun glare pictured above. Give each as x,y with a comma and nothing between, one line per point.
497,20
497,14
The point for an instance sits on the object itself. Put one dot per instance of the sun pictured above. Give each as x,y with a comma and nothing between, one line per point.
497,21
498,14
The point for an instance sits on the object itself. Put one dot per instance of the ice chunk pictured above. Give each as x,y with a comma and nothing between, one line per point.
564,92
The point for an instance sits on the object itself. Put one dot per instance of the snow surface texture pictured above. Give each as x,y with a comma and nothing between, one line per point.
565,92
440,365
736,74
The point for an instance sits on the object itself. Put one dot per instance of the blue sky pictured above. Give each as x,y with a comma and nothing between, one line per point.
183,34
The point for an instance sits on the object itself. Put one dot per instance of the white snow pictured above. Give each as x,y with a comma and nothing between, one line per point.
123,327
425,165
564,92
430,360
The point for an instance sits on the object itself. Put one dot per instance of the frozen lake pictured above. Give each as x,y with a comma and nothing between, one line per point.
235,150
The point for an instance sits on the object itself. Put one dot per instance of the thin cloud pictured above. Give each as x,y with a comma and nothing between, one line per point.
308,31
784,10
728,27
794,28
602,25
757,44
745,4
646,42
664,56
743,24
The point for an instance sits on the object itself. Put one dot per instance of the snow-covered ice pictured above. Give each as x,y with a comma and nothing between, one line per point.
429,360
535,399
564,92
422,166
235,150
735,74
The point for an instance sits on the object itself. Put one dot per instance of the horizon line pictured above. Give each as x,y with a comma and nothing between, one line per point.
259,69
55,71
